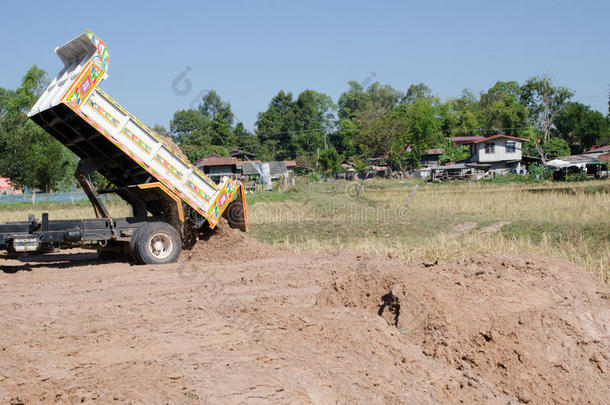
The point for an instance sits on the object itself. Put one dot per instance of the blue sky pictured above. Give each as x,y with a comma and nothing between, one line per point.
248,50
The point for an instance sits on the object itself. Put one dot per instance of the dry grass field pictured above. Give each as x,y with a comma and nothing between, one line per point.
445,222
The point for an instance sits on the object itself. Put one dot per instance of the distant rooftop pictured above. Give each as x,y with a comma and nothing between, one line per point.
216,160
462,140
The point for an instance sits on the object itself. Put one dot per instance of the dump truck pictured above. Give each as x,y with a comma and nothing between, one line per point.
172,201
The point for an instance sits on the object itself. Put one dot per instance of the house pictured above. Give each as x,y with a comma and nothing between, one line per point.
291,165
216,166
497,154
250,168
431,157
6,187
501,152
378,167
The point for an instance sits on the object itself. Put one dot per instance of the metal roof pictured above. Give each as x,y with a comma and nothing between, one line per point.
460,140
278,167
249,168
215,160
490,138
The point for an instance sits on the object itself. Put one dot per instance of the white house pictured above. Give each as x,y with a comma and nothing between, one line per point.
501,152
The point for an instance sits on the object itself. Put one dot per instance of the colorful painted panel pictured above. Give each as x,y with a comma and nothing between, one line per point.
168,166
143,145
223,199
197,190
86,82
102,57
100,110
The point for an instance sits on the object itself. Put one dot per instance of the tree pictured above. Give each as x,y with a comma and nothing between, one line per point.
423,131
330,161
555,147
501,110
276,125
209,129
581,126
416,92
544,100
216,109
402,135
290,128
461,116
453,152
352,101
29,156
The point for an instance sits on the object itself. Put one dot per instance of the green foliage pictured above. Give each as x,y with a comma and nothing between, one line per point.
313,177
29,156
376,121
576,177
581,126
291,127
544,101
538,173
501,110
330,161
403,134
556,147
461,116
453,152
210,129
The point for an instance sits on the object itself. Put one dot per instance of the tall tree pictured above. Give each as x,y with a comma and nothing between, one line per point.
461,116
290,128
544,101
581,126
28,155
402,135
416,92
216,109
352,101
501,110
209,129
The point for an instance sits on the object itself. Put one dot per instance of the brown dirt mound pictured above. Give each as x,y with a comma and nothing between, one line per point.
535,329
334,328
225,244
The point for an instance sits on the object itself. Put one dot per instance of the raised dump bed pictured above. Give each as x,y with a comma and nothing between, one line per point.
144,170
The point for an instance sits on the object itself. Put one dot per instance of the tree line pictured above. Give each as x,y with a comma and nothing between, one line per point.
365,122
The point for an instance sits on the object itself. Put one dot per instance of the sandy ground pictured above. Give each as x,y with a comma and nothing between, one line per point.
270,326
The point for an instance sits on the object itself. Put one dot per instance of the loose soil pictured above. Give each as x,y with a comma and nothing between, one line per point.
238,321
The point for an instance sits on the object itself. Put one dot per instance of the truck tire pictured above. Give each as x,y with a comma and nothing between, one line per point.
157,243
135,255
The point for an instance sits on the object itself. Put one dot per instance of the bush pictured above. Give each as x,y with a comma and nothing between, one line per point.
576,177
538,173
313,177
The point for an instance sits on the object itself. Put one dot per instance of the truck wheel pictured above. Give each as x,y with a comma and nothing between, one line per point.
158,243
133,246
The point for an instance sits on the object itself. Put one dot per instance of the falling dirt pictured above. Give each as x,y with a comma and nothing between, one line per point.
229,245
316,329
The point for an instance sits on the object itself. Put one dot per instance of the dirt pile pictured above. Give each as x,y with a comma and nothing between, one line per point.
535,329
314,329
226,244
